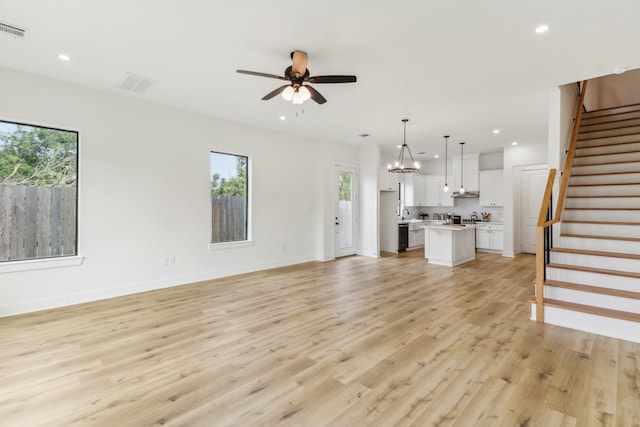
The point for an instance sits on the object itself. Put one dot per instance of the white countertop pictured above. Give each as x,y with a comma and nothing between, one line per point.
451,227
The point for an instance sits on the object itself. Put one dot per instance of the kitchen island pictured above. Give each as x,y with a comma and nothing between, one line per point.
449,245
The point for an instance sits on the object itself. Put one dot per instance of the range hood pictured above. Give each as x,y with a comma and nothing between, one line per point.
465,195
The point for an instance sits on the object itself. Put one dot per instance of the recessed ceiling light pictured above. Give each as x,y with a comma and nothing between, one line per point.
514,143
283,118
398,146
436,157
64,57
542,29
496,131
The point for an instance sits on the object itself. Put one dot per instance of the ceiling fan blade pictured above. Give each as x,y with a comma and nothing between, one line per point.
274,92
255,73
299,62
332,79
315,95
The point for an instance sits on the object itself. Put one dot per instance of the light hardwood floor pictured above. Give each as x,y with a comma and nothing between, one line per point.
354,342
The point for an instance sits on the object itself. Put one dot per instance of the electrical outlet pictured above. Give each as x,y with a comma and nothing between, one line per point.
172,259
165,261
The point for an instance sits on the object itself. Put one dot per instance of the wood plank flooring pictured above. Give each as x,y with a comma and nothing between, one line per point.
353,342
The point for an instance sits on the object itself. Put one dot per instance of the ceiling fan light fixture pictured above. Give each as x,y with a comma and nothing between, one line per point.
287,93
304,92
399,164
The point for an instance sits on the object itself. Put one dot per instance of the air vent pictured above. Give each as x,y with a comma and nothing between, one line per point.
13,31
135,83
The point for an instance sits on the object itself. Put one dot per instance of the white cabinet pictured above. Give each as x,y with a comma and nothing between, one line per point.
435,195
469,168
490,237
387,181
491,188
415,190
416,238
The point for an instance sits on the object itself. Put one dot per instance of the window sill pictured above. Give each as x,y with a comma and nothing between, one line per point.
39,264
230,245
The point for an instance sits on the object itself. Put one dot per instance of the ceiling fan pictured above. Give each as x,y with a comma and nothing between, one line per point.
298,74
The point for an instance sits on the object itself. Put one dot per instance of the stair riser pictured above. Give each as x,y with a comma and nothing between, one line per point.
628,109
603,215
609,190
603,202
598,245
611,124
608,149
605,169
611,158
632,178
593,142
591,118
605,230
621,329
610,263
631,130
592,299
594,279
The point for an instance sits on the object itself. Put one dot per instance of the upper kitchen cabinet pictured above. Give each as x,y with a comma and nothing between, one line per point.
435,195
468,168
491,188
415,190
387,181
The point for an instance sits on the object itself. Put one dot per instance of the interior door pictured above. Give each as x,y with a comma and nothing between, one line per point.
346,211
533,183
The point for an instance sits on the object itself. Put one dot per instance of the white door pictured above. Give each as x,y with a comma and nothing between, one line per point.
533,183
346,211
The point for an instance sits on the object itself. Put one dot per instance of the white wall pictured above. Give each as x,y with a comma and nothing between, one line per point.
144,195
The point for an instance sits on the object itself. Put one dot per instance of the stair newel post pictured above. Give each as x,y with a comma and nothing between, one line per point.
543,244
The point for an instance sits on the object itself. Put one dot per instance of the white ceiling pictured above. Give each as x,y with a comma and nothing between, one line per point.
460,67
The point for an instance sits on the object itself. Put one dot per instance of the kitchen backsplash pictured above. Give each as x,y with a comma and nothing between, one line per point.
463,207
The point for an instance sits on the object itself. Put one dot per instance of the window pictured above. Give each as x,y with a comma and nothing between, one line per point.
229,198
38,192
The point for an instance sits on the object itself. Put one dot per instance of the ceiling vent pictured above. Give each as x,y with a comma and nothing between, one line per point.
13,31
135,83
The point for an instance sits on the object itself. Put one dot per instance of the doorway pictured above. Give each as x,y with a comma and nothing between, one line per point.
346,211
533,180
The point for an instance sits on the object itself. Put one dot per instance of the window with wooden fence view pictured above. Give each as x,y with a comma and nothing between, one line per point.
229,197
38,192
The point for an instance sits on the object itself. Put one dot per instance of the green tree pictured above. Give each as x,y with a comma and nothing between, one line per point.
345,186
234,186
38,156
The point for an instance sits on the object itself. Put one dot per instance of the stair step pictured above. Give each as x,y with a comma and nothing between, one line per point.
603,202
607,118
605,168
597,243
606,133
625,147
605,178
591,236
595,258
609,124
607,140
610,215
608,158
623,223
601,228
611,111
598,311
611,190
595,270
594,289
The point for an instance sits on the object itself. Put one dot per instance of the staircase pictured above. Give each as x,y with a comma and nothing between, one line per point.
593,277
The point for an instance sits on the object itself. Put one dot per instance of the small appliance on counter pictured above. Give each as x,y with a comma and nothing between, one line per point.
457,219
474,217
485,216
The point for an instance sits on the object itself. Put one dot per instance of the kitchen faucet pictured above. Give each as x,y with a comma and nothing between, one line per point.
408,213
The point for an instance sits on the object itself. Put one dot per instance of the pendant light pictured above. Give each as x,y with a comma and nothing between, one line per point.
399,166
462,190
446,186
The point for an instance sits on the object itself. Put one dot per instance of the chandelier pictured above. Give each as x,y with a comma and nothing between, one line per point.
399,166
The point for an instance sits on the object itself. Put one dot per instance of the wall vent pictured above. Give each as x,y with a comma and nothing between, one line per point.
135,83
13,31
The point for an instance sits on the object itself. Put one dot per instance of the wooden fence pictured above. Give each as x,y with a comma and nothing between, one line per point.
228,219
37,222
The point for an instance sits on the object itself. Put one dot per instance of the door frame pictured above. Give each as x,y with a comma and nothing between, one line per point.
337,168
